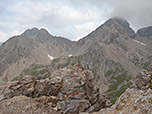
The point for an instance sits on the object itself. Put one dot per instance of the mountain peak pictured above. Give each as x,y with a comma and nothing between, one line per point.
31,32
112,26
145,32
117,20
35,31
44,31
121,25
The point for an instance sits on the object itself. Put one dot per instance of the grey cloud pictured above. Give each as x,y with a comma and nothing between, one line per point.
69,14
137,12
71,18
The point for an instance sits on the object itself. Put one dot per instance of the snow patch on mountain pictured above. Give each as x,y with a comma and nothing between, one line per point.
70,55
139,42
51,57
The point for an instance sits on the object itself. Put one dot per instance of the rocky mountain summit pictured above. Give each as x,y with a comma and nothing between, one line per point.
70,90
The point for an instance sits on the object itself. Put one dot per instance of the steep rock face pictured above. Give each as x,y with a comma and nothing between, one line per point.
71,90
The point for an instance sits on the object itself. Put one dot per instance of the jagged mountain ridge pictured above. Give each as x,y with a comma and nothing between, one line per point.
111,51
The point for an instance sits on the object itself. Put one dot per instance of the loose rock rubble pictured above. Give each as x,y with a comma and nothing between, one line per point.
24,105
70,90
133,101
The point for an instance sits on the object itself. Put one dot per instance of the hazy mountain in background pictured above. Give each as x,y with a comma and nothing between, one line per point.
113,52
1,43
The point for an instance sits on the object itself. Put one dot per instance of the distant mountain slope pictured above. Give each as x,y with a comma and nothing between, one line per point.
145,35
33,46
114,52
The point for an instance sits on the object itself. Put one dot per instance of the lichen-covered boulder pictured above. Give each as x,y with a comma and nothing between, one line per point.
79,91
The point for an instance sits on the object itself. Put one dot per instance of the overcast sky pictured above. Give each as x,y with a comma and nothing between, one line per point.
72,19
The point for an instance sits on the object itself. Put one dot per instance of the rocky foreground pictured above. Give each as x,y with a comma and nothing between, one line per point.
70,90
133,101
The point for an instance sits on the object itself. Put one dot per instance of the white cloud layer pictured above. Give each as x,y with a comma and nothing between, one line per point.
72,19
3,36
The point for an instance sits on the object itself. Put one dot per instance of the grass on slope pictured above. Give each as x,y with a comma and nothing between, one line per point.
39,71
115,89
